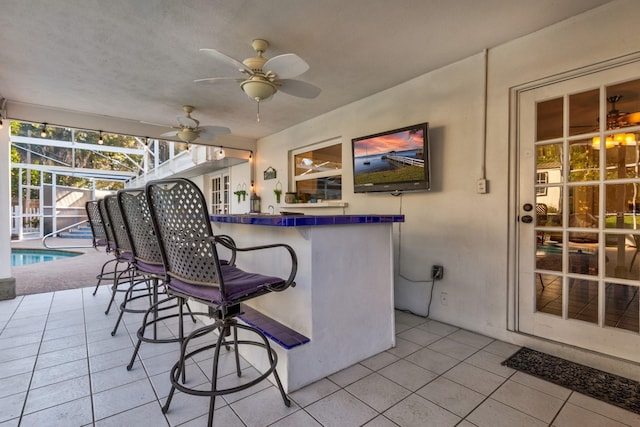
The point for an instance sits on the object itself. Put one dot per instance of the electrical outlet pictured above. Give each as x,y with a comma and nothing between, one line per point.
443,298
437,272
482,186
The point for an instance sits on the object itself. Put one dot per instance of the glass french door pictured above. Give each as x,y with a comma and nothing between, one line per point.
579,211
220,194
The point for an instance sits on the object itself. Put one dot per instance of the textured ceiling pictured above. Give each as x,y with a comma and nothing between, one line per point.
137,60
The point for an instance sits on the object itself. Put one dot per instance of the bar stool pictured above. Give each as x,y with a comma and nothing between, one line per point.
122,257
136,285
99,236
194,271
147,259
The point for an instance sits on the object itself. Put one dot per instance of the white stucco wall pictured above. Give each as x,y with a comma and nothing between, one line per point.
466,232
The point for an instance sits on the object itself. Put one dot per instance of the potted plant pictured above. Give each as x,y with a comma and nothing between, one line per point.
241,192
278,191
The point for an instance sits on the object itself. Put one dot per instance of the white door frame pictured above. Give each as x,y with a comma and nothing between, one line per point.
515,208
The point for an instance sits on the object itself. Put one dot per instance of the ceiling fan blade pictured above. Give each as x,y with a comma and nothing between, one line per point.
286,66
209,133
188,122
205,136
299,88
219,56
215,79
172,133
633,118
216,130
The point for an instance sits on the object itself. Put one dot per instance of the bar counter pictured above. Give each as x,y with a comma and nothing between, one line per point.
343,298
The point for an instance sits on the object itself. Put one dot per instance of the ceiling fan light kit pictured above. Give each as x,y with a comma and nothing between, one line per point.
187,135
618,120
189,129
258,89
263,77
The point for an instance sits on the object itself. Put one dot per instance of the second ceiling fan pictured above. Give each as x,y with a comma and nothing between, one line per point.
262,78
189,129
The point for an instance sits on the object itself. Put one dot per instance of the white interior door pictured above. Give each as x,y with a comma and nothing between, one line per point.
579,211
219,194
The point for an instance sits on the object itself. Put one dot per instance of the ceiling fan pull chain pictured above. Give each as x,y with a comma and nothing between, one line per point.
258,113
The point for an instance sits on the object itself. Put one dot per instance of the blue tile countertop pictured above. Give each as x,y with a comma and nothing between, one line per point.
305,220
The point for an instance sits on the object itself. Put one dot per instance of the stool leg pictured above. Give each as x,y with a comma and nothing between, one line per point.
214,374
235,347
181,303
267,346
123,307
141,331
100,277
189,308
154,303
116,283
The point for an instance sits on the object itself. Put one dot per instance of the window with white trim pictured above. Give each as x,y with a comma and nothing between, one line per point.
317,171
542,178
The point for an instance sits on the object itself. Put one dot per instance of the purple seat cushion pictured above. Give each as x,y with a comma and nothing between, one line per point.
238,284
150,268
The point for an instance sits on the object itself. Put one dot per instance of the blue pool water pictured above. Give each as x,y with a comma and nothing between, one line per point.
33,256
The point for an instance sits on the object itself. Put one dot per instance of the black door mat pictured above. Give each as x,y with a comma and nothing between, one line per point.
600,385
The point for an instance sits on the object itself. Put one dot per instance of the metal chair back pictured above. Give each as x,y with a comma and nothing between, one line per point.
106,223
95,221
123,245
183,226
139,226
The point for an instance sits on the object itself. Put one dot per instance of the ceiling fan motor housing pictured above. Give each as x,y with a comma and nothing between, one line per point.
188,135
258,88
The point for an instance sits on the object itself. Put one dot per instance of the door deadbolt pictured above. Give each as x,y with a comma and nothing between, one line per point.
527,219
528,207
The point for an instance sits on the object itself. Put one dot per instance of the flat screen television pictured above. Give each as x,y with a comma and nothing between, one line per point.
393,161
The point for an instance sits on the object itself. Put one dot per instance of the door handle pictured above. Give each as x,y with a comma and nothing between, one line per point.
527,219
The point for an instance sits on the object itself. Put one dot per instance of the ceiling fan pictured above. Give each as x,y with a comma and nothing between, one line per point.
262,78
190,130
617,119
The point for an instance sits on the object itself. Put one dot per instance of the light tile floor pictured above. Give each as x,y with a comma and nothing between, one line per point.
60,366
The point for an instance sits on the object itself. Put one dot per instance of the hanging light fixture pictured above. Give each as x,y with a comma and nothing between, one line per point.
43,132
100,140
617,120
219,154
615,140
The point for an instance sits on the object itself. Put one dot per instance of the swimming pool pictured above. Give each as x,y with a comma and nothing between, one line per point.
33,256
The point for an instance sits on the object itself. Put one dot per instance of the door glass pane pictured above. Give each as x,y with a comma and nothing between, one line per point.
549,119
620,249
549,293
583,112
583,253
583,300
622,203
549,257
583,206
623,104
584,161
621,307
549,206
623,160
549,161
633,249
